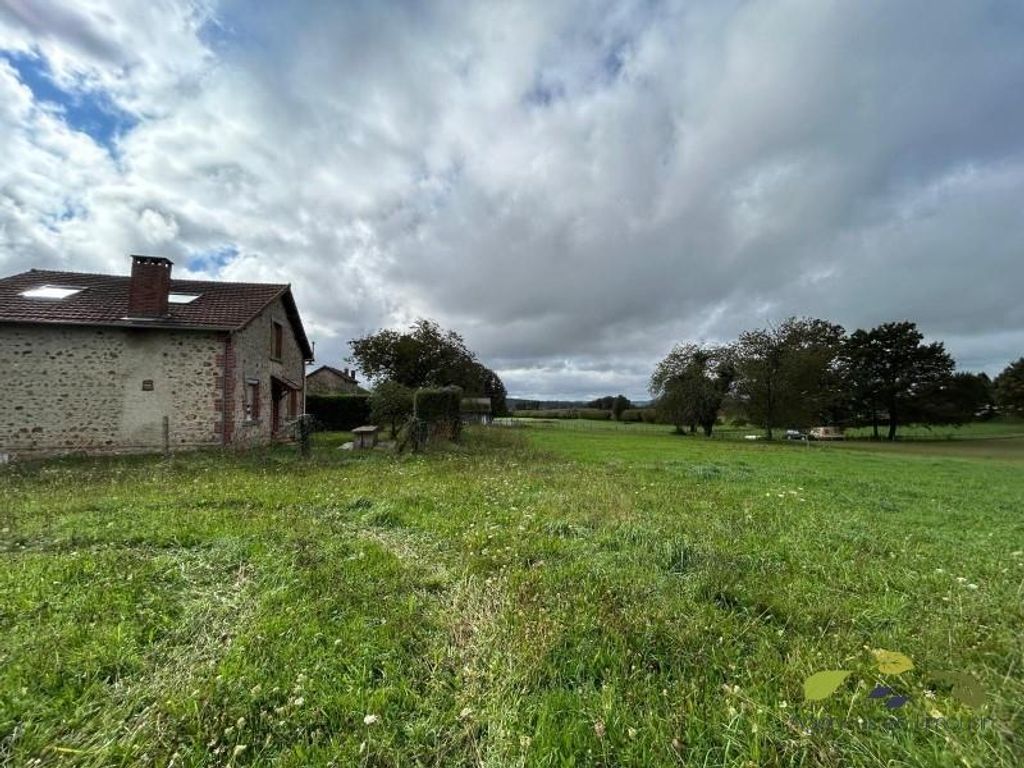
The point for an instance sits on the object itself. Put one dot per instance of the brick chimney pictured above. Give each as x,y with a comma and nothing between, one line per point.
150,284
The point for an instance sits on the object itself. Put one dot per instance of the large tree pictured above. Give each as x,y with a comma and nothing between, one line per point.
689,385
427,356
961,398
423,356
894,376
488,384
787,375
1009,389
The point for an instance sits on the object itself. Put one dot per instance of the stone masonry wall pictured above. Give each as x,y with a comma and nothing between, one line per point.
253,362
91,389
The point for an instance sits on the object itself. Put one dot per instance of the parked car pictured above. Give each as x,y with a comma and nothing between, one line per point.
795,434
826,433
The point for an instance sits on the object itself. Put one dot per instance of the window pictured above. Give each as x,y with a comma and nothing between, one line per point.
277,341
182,298
252,400
50,292
293,400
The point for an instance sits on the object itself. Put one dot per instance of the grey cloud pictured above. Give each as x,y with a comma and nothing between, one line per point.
574,186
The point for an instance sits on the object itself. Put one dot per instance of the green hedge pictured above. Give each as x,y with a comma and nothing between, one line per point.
440,409
597,414
339,413
646,415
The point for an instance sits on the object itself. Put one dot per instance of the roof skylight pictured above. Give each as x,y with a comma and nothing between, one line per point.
50,292
182,298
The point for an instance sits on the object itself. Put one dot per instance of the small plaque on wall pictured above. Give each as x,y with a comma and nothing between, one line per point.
147,385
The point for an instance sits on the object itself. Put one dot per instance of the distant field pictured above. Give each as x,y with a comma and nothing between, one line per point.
996,439
542,596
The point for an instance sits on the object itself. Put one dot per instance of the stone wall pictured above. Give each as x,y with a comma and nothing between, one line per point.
70,388
251,354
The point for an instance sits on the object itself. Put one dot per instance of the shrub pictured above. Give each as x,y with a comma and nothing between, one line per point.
339,413
391,403
440,410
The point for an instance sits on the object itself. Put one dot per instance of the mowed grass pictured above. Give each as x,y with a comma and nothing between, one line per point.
536,597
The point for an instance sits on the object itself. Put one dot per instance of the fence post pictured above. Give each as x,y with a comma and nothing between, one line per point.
304,433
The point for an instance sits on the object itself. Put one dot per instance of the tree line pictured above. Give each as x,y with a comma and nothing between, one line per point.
807,372
799,373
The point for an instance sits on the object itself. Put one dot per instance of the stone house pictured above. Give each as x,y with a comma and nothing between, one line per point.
327,380
107,363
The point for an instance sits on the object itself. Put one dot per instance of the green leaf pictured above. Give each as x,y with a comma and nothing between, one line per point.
891,662
821,685
966,688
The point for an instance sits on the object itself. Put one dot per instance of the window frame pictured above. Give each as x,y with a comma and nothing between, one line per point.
39,292
276,340
252,403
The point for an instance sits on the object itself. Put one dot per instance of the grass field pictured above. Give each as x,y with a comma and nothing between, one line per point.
537,597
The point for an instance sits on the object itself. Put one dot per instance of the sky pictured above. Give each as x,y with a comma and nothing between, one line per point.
573,186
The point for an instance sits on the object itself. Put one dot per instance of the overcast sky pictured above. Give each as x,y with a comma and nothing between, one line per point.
574,186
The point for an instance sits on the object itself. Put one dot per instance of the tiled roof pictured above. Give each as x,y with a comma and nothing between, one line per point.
103,300
336,371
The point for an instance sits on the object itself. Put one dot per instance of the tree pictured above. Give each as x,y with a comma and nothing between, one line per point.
962,398
391,403
619,404
1009,389
427,356
616,404
893,375
689,385
424,356
490,385
788,375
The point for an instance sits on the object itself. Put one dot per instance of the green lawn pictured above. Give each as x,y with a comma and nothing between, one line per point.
537,597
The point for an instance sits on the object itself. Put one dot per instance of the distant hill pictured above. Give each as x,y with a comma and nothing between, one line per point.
520,403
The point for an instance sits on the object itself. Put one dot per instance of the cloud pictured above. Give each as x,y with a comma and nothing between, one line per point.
574,186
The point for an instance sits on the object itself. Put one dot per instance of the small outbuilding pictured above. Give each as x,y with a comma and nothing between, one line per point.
476,410
328,380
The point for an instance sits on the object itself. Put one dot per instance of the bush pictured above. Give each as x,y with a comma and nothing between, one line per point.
440,410
645,415
391,403
339,413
